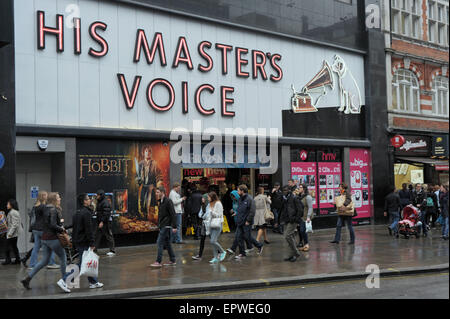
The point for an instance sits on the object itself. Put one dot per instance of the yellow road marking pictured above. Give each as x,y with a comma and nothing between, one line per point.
247,291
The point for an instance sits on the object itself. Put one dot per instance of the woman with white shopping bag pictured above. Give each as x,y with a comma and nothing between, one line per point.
214,226
83,240
308,214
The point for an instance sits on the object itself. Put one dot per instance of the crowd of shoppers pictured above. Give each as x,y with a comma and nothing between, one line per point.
291,205
430,200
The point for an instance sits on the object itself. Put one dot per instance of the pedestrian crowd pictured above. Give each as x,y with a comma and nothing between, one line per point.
430,202
288,210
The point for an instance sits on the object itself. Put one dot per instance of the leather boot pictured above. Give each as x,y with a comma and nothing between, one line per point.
26,282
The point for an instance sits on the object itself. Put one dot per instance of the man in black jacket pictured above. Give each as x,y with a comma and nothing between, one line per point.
392,207
277,200
166,223
104,222
82,235
195,204
405,196
419,197
291,213
244,221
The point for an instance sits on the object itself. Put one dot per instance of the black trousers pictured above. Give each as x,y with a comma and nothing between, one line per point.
11,245
202,245
106,231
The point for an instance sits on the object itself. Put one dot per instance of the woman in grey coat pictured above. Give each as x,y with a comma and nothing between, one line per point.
262,202
14,228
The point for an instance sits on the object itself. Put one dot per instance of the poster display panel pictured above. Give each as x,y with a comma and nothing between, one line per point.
360,181
129,173
330,176
306,173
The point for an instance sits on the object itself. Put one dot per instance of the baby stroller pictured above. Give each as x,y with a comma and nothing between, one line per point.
410,224
71,253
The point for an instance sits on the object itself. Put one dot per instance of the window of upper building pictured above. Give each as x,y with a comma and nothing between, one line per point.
437,14
405,92
440,96
405,18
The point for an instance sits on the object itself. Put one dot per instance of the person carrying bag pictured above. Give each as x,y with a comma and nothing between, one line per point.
345,211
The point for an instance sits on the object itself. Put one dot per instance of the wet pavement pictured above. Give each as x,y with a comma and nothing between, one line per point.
129,269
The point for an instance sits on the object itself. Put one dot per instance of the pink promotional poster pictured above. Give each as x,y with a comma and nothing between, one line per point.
330,176
360,181
305,173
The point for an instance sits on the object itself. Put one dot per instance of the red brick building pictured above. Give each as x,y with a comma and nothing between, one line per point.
417,43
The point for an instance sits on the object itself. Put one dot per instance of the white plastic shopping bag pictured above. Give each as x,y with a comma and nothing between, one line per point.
89,264
309,227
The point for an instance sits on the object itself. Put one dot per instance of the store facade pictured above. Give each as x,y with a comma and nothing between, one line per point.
127,97
421,159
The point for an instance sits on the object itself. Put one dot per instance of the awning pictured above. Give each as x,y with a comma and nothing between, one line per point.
439,164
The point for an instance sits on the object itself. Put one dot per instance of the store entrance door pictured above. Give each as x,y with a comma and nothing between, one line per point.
33,174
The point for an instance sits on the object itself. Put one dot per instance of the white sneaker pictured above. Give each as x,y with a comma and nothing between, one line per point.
54,266
110,254
96,285
249,250
62,284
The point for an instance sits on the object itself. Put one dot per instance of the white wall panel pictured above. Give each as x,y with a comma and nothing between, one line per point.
80,90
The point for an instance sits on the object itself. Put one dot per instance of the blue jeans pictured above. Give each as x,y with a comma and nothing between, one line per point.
340,222
81,250
37,234
423,219
445,227
163,242
216,247
178,236
302,232
249,238
394,218
49,246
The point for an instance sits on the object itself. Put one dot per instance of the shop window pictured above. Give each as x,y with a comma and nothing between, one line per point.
440,96
405,92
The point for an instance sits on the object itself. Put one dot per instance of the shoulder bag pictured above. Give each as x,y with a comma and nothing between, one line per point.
268,215
64,239
342,210
216,222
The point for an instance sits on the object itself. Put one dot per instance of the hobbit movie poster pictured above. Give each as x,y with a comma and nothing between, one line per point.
129,173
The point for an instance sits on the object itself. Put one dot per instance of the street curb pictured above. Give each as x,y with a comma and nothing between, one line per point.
247,284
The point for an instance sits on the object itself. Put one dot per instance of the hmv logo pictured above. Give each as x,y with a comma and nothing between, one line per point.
328,157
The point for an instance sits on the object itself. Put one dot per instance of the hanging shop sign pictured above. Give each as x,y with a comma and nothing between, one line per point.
415,146
349,94
439,146
397,141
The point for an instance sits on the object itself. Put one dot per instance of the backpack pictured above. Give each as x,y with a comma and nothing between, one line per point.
430,202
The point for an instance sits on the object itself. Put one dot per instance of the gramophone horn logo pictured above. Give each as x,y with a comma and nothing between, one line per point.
349,94
303,101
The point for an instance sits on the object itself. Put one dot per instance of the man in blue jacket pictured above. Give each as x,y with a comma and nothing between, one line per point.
245,215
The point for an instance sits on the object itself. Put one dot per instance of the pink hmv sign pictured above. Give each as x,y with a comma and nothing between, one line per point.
360,181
